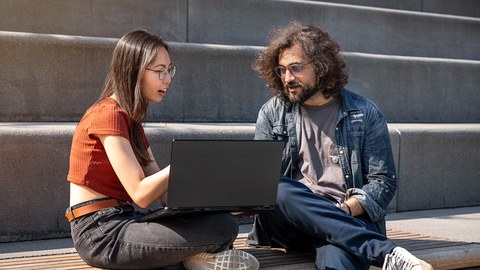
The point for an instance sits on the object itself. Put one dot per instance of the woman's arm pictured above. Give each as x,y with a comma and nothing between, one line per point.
153,168
144,185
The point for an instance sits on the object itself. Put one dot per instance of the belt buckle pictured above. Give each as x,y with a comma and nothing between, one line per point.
69,211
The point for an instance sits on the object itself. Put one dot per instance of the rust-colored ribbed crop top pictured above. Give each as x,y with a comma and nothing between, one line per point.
89,164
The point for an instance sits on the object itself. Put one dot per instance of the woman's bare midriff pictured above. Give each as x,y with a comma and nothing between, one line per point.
79,194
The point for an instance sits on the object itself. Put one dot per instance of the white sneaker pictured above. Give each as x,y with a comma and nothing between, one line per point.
401,259
232,259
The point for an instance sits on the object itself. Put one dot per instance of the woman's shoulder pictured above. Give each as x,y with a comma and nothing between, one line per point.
107,106
105,111
106,103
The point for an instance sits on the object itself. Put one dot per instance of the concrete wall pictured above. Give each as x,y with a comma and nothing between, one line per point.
438,166
247,22
213,83
106,18
358,29
417,89
56,78
46,78
469,8
436,163
50,77
34,165
34,194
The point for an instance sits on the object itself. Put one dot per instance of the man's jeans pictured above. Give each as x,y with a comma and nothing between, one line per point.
116,238
305,220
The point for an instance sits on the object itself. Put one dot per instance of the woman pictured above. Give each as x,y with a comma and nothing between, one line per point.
112,166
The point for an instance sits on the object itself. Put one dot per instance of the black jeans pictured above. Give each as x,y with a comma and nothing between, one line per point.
305,220
116,238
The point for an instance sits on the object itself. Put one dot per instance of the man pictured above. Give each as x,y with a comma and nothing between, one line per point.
338,169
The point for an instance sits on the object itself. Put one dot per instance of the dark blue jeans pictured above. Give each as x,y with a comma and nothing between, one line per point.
116,238
304,220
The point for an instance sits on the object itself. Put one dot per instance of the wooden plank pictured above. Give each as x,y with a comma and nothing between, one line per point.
453,257
441,253
60,261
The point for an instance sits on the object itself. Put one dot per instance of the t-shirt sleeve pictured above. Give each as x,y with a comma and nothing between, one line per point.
109,120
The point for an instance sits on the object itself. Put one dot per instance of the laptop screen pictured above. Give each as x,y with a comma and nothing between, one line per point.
224,174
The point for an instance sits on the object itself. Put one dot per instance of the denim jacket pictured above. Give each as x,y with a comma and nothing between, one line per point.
363,142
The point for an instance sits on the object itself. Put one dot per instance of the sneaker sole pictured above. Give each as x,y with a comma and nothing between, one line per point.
227,260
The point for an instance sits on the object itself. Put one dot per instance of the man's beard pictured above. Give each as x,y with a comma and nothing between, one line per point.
303,95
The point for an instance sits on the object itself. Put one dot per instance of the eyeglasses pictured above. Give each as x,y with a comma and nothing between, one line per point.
294,69
162,73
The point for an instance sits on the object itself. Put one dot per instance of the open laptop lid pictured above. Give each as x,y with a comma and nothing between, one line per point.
229,175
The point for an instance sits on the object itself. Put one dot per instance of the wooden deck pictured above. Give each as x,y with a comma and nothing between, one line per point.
441,253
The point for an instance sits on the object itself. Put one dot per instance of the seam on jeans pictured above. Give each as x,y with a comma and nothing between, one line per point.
207,247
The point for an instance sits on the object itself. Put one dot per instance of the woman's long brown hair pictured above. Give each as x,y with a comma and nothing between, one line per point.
133,52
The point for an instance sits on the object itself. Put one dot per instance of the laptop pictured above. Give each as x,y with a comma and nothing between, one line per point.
222,175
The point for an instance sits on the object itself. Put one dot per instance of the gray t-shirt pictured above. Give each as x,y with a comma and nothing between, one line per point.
319,166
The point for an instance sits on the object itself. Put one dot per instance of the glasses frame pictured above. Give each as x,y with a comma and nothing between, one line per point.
278,69
162,74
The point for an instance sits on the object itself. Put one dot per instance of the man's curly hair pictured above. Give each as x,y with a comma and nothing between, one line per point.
318,46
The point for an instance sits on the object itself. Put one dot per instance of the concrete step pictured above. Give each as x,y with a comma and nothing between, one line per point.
110,18
34,165
469,8
358,29
436,163
56,78
248,22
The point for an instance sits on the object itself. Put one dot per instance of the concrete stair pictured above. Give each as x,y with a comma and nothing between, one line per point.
421,68
248,22
468,8
56,77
